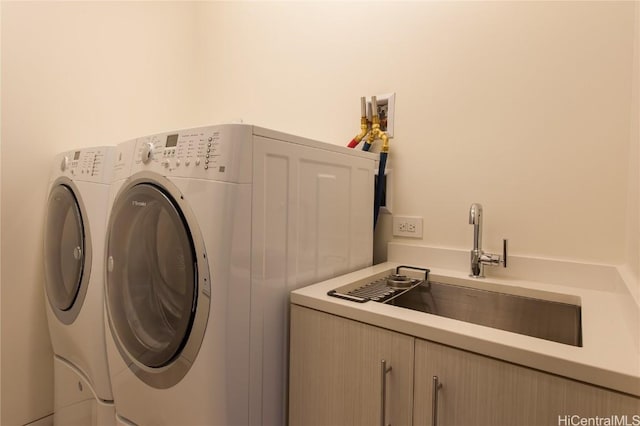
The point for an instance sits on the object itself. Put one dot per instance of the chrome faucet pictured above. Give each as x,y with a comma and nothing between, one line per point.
478,257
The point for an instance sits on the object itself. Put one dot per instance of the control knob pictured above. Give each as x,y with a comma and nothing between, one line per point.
147,152
64,165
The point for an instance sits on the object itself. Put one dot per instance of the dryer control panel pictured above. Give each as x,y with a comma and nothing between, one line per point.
214,152
85,164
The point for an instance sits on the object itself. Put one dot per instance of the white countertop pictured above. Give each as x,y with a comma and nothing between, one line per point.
609,357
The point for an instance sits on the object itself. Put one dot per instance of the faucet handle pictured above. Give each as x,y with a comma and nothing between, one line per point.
504,252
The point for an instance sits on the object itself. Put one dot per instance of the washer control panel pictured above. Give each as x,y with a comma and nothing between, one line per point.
86,164
206,152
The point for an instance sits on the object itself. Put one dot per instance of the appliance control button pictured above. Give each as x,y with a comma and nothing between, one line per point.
178,162
187,162
206,167
197,161
210,138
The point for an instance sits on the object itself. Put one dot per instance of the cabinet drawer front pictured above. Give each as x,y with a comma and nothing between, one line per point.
335,371
478,390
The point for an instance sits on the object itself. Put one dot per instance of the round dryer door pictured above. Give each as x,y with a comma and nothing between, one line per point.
67,251
152,283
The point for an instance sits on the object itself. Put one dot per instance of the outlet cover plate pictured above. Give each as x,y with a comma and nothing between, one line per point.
407,226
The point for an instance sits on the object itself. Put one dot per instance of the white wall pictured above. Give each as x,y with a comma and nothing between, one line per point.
73,75
524,107
521,106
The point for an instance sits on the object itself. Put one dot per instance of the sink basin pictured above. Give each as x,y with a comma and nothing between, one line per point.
555,321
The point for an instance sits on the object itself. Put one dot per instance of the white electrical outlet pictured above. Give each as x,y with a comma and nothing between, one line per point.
407,226
386,111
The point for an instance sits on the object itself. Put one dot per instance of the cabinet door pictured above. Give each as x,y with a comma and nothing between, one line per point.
477,390
336,372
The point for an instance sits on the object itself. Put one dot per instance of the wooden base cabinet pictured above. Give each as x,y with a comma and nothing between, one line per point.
336,378
477,390
336,372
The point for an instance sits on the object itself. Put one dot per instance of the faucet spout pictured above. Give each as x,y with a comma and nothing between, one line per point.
478,257
475,219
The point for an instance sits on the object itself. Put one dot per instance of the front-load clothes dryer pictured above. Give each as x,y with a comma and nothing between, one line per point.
205,239
74,276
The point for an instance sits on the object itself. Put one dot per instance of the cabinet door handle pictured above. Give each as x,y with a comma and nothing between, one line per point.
383,394
434,400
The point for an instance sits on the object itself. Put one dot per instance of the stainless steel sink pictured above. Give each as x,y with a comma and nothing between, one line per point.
555,321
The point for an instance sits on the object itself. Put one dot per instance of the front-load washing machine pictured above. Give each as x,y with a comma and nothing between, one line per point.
74,275
206,238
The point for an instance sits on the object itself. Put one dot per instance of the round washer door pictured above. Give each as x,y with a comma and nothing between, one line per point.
67,251
153,289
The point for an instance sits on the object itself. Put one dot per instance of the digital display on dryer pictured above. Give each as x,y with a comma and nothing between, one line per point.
172,140
76,155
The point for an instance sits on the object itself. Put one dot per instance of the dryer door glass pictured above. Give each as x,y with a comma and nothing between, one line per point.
64,247
151,275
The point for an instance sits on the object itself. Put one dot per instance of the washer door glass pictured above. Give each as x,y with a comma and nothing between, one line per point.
151,275
64,246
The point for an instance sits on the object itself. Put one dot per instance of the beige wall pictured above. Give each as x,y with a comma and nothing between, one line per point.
524,107
633,209
73,74
0,216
